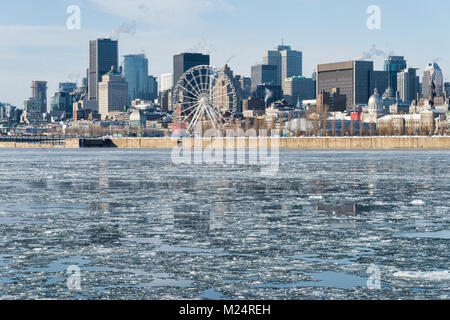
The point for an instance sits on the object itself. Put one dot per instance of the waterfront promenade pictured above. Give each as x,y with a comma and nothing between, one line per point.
399,142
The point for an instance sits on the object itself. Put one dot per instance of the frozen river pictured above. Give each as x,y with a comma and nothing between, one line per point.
136,226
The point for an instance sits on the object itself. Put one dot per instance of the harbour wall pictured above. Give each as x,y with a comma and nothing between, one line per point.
378,143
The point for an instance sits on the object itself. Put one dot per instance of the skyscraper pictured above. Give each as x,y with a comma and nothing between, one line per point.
289,62
67,87
378,80
166,81
39,92
135,72
246,86
113,93
33,109
432,75
62,102
408,84
222,91
103,54
185,61
263,74
394,65
297,89
152,88
351,77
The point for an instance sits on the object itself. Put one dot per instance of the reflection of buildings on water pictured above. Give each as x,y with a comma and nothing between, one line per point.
197,223
341,210
101,207
105,235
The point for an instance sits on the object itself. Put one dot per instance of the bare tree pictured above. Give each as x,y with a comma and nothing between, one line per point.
297,129
272,125
432,126
247,124
390,127
442,125
324,116
316,125
256,125
289,125
401,127
307,123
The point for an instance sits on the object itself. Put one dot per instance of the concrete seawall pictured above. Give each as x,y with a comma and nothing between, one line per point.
377,143
292,143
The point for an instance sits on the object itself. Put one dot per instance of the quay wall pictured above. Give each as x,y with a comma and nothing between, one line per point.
378,143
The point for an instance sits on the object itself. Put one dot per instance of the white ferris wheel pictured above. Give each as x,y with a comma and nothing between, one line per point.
204,95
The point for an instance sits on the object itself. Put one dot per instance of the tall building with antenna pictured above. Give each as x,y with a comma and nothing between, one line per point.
39,92
103,54
289,62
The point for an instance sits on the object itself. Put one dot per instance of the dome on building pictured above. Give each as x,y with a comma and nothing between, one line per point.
135,115
375,101
137,119
389,93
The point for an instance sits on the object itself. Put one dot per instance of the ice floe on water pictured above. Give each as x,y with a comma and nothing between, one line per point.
417,202
424,275
442,234
139,227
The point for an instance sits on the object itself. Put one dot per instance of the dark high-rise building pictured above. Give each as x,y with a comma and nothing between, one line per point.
378,80
297,89
39,92
289,62
351,77
269,93
246,86
185,61
394,65
62,102
135,72
103,54
408,84
264,74
152,88
314,79
447,89
67,87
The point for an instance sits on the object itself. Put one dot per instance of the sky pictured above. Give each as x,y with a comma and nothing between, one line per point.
35,43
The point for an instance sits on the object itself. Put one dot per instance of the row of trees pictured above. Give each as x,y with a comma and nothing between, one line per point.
310,125
316,125
96,130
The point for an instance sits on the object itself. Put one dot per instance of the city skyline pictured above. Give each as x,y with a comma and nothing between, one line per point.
38,45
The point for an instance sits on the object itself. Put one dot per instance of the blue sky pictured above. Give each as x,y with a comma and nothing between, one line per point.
36,45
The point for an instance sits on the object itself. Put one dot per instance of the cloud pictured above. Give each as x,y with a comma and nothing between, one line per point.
124,28
202,46
162,12
373,53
